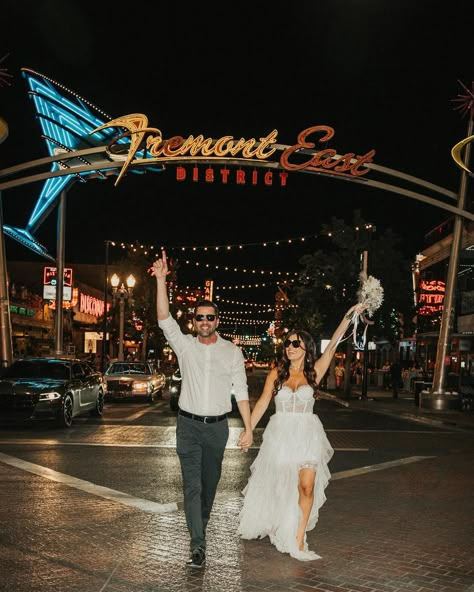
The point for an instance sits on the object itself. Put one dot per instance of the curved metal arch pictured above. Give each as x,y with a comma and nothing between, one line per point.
109,167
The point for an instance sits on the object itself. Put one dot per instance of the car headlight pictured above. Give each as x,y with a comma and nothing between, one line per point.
52,396
141,387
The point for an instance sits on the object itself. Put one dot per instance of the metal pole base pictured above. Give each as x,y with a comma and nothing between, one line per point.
439,401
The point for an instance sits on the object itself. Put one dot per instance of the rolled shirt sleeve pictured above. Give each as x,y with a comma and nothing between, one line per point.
239,377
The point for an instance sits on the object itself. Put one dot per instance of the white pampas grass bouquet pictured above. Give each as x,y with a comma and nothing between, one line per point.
371,294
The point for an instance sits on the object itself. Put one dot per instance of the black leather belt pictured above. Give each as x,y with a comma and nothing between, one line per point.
203,418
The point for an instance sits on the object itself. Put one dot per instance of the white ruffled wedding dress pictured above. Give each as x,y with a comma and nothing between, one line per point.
293,439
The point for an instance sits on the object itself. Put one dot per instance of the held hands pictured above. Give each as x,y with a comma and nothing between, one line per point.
245,440
160,267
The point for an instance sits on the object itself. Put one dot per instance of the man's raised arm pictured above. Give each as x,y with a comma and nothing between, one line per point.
160,271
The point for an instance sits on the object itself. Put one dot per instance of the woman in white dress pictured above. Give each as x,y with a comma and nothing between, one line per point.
290,473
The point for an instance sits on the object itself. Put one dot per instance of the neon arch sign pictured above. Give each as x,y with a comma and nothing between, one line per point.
83,144
255,151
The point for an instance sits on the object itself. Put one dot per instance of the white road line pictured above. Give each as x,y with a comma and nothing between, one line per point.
88,487
374,431
135,415
148,506
380,467
37,442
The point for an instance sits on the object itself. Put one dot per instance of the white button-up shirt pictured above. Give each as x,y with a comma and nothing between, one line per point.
209,371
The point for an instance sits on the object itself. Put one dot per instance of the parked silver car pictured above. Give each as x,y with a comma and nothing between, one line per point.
131,380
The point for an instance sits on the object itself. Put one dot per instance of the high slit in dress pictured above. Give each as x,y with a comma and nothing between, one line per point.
293,439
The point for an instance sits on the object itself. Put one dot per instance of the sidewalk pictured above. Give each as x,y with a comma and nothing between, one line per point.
381,401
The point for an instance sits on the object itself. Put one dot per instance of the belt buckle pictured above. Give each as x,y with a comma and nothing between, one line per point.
205,419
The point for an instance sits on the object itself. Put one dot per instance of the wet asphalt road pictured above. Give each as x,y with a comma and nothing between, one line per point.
132,448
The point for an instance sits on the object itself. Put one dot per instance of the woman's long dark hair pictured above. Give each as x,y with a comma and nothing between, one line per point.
310,357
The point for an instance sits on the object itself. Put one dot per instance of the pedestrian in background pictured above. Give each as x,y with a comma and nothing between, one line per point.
210,367
395,377
386,375
339,373
358,373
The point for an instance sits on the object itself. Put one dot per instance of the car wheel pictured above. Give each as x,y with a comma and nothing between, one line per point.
174,404
64,418
98,410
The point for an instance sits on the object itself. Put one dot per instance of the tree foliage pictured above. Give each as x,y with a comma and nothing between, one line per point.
330,279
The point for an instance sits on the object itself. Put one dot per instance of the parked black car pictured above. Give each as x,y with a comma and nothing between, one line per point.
50,388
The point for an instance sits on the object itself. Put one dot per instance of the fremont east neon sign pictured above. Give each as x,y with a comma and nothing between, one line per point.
251,150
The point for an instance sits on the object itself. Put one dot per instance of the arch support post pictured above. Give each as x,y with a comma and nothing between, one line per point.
60,264
438,397
6,343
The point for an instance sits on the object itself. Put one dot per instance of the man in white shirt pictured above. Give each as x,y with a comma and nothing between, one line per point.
210,366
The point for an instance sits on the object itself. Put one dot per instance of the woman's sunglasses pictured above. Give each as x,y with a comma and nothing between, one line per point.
295,343
209,317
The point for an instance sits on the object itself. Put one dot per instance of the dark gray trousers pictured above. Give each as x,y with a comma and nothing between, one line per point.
200,447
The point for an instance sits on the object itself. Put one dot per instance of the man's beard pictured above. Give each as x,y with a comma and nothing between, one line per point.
206,332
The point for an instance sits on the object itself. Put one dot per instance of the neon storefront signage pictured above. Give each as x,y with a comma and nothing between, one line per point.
431,297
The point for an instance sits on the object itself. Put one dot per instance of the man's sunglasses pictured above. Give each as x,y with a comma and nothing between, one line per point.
201,317
295,343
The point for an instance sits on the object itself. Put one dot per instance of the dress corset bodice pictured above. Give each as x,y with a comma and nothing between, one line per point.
299,401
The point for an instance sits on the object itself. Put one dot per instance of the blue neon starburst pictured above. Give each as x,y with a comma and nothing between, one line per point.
67,121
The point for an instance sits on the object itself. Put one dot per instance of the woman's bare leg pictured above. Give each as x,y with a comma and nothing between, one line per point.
306,481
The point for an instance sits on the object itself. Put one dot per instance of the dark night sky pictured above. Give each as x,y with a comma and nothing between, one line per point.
382,74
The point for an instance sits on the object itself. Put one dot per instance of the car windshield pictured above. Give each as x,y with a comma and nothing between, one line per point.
128,369
37,369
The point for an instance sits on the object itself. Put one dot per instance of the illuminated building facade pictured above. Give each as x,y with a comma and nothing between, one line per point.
429,273
32,316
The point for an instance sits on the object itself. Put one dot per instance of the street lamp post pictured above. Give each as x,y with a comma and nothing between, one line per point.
122,294
104,320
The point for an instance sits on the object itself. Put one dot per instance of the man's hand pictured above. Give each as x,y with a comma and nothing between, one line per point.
160,267
245,440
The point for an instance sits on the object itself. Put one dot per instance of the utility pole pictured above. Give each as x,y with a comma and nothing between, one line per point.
363,276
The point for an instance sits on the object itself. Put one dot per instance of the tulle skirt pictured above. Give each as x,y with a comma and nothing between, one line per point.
291,441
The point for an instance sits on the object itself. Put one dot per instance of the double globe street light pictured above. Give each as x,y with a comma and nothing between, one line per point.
122,294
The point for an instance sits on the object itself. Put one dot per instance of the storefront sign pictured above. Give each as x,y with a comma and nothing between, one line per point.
431,297
22,311
50,283
208,289
90,341
91,305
